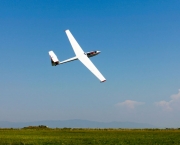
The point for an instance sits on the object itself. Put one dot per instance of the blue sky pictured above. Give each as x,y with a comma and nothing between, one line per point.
139,44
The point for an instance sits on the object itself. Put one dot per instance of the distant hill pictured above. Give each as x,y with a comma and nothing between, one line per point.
76,123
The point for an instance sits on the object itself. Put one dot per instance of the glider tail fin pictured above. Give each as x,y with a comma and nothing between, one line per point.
54,59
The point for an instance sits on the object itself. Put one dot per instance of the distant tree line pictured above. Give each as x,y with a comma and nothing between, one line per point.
36,127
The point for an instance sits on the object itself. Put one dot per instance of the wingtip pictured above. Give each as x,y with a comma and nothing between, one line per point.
66,30
103,81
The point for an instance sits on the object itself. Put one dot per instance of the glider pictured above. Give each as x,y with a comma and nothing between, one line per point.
80,55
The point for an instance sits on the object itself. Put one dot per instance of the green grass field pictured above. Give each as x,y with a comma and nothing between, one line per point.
89,137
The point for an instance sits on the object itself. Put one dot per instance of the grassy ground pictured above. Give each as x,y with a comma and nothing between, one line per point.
89,137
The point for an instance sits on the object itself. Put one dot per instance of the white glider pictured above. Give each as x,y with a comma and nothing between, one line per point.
81,55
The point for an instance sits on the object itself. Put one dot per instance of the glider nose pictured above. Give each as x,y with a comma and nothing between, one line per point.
98,52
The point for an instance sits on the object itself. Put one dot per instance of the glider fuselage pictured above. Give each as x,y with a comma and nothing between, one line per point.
89,54
92,53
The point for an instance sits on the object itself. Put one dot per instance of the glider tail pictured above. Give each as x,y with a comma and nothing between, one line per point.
54,59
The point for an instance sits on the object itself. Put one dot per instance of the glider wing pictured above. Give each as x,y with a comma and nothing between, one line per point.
76,47
83,57
87,62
